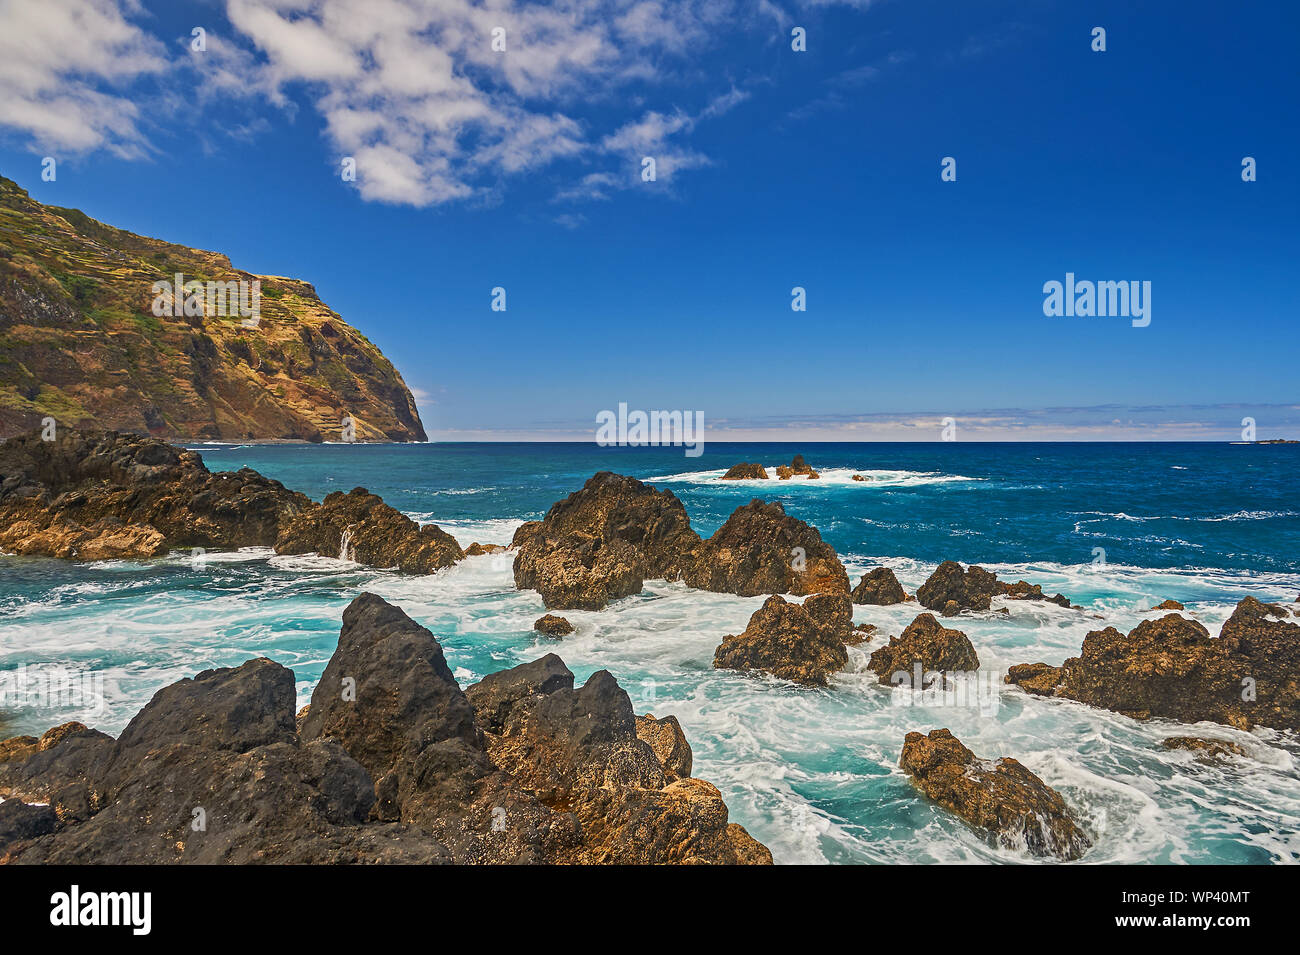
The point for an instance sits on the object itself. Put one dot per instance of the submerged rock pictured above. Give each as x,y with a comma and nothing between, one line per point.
746,471
880,587
359,526
762,550
603,542
1003,798
926,644
789,641
1169,605
95,495
393,763
476,549
1172,668
1204,750
553,626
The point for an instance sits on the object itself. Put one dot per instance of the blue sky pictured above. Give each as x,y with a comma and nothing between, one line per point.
775,169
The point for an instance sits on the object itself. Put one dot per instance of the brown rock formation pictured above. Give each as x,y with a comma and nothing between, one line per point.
762,550
788,641
602,542
393,763
1204,750
928,643
1002,799
553,626
359,526
880,587
1172,668
973,589
99,494
745,471
666,738
1169,605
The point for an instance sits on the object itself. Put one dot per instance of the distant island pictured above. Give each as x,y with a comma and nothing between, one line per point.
103,328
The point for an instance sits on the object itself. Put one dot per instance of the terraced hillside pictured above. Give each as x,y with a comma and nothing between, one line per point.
80,342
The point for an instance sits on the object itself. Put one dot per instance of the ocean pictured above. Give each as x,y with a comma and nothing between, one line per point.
812,773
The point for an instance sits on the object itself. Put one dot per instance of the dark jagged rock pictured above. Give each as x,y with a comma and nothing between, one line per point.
1172,668
359,526
393,763
1169,605
880,587
746,471
974,588
1003,799
789,642
762,550
928,644
98,495
553,626
1040,679
1204,750
970,589
669,743
603,542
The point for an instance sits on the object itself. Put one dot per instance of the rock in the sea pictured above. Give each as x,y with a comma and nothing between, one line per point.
746,471
666,738
1172,668
1204,750
359,526
393,763
476,549
789,641
1002,799
925,645
879,586
94,495
969,589
973,588
762,550
553,626
1169,605
603,542
861,633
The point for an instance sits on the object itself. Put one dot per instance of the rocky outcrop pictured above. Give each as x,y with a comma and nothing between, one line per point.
927,646
393,763
82,343
359,526
1002,799
762,550
1204,750
101,494
880,587
603,542
477,550
969,589
746,471
1169,605
1172,668
666,738
797,466
801,644
552,625
951,589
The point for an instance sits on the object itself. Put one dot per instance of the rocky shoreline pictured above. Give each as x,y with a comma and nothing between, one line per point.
410,773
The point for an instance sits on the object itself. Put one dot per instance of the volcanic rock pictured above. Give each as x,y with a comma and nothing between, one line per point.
360,527
1002,799
787,641
970,589
100,494
553,626
879,586
1169,605
762,550
1204,750
603,542
928,644
745,471
669,743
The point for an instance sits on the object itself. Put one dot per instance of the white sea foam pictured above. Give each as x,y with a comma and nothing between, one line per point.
830,477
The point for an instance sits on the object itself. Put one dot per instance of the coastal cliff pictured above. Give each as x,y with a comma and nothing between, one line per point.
81,341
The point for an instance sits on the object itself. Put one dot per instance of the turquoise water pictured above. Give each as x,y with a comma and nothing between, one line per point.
812,773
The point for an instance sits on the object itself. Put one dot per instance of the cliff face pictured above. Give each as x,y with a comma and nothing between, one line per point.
80,342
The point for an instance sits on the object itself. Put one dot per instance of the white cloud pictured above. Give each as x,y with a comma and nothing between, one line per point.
64,68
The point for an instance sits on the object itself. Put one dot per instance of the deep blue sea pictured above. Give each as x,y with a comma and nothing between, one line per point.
810,772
